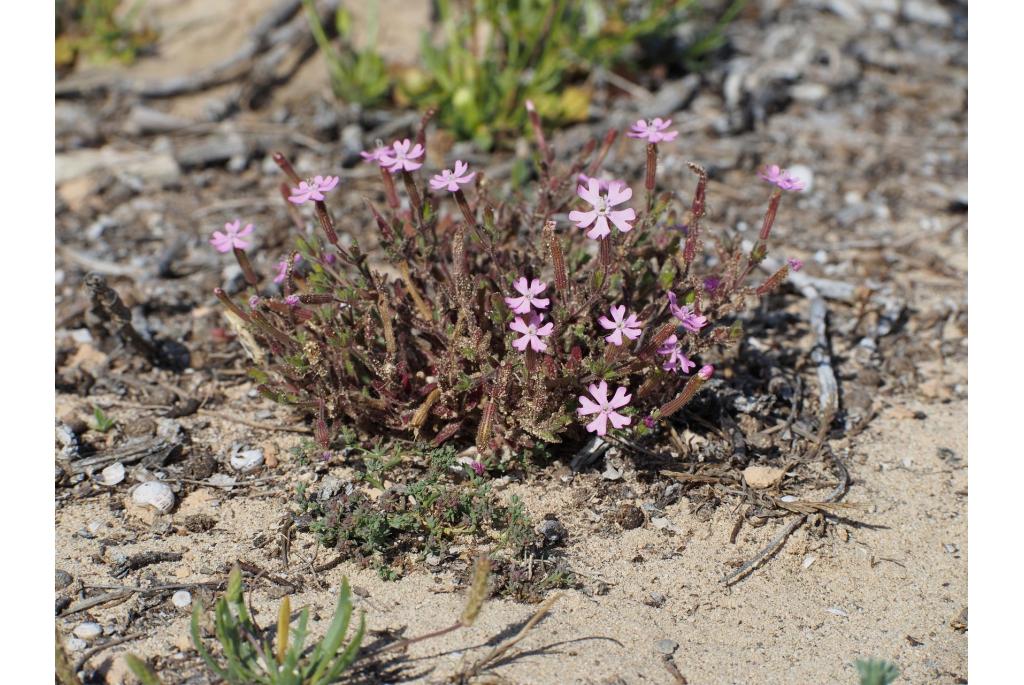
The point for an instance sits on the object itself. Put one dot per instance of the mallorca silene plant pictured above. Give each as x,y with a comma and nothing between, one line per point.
555,311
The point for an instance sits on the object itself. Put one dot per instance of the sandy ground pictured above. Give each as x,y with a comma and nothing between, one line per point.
886,580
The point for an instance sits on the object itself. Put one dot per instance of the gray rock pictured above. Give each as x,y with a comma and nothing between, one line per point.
181,599
62,579
666,646
246,461
553,531
75,644
88,631
927,12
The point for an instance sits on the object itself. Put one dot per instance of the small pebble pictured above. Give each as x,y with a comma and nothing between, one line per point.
666,646
75,644
113,474
181,599
62,579
552,530
247,461
221,480
838,612
88,631
808,561
154,494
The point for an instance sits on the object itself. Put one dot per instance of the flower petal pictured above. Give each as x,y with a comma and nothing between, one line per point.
599,425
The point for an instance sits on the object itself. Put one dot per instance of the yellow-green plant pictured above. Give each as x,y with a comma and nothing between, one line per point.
248,655
357,75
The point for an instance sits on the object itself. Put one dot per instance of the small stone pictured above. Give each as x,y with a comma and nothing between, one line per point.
611,473
805,174
222,480
113,474
88,631
655,599
62,579
154,494
838,612
629,516
924,12
75,644
247,461
181,599
808,561
762,477
552,530
666,646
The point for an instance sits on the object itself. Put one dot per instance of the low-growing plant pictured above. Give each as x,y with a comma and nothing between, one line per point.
97,30
482,60
450,501
876,671
249,655
358,74
101,421
500,323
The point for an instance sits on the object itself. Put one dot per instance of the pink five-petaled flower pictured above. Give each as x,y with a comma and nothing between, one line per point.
451,180
653,131
375,155
402,155
677,361
292,301
232,236
795,264
690,319
602,183
532,333
604,408
780,177
601,208
282,269
529,292
621,325
313,189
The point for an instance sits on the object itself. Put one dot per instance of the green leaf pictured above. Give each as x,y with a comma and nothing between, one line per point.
141,670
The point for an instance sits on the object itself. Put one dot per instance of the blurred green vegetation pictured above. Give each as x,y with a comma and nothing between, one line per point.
483,59
94,30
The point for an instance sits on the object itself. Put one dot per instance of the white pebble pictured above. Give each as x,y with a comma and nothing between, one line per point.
181,599
805,174
838,612
247,461
808,561
113,474
75,644
88,631
154,494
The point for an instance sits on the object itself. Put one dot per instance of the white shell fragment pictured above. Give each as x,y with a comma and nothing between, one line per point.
247,461
181,599
154,494
113,474
88,631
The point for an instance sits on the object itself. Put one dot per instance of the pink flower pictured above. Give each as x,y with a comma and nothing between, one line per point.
780,177
532,333
477,467
649,422
232,237
254,302
706,371
374,156
795,264
601,212
711,283
450,180
653,131
677,361
690,319
292,300
602,183
399,156
282,269
620,325
521,305
604,408
313,189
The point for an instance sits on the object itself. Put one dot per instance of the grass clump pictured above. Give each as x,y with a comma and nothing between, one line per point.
97,31
876,671
250,656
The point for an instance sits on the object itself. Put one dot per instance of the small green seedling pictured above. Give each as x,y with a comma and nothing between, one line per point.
248,656
103,423
876,671
141,670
